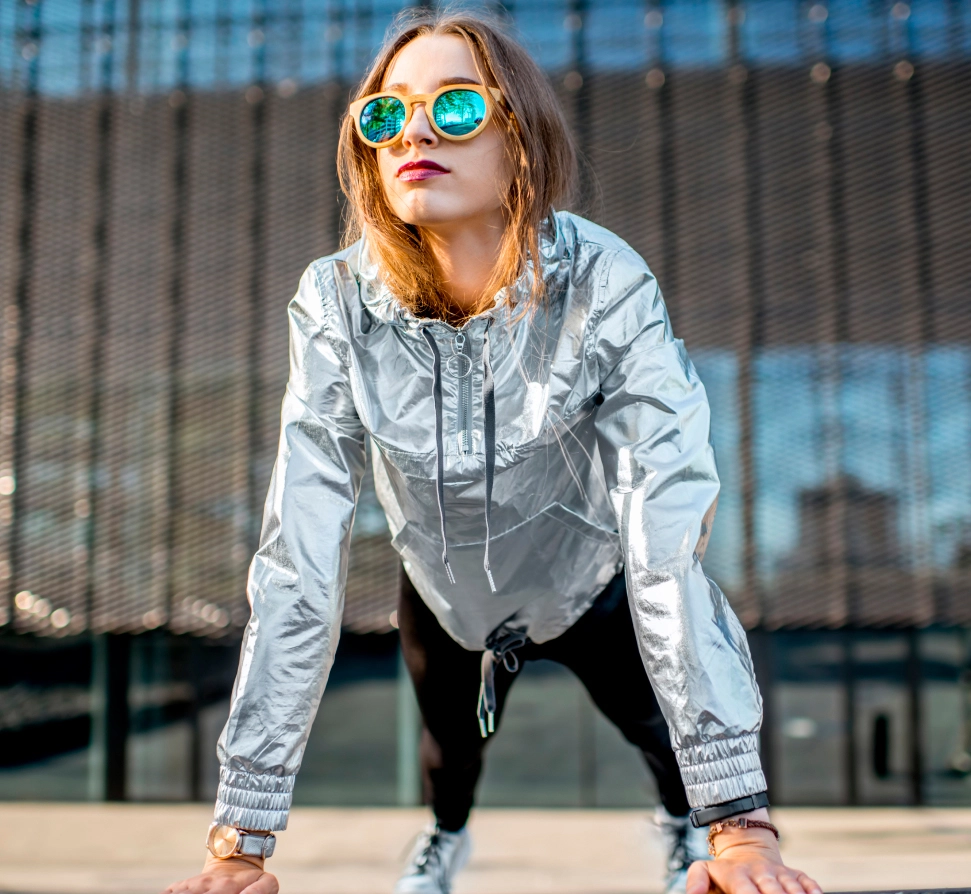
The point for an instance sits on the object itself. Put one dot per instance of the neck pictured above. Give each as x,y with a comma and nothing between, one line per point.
467,253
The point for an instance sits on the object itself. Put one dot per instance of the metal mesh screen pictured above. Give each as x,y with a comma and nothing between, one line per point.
796,174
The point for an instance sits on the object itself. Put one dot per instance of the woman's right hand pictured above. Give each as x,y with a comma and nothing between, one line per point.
237,875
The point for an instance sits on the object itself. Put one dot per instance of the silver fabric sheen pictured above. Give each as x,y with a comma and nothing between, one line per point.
602,461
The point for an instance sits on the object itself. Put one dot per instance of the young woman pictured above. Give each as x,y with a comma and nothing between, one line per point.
540,448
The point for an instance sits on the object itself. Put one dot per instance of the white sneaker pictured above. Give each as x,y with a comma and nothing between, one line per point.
683,844
434,861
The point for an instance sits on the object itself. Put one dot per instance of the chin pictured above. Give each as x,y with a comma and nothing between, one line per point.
429,214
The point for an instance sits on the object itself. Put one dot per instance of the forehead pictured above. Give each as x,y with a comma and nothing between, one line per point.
428,59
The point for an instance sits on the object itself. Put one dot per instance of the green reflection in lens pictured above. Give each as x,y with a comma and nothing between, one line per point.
459,112
383,118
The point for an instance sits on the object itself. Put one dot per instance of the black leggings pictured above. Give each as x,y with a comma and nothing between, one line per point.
600,648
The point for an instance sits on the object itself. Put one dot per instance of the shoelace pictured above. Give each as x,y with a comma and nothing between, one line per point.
430,856
489,411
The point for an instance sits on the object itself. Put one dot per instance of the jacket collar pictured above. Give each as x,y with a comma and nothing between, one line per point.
383,304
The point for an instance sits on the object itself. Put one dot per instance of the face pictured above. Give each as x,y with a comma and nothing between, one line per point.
470,186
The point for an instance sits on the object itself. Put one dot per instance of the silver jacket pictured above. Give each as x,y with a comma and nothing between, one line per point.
527,458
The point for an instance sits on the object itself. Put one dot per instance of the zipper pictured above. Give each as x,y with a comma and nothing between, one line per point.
460,366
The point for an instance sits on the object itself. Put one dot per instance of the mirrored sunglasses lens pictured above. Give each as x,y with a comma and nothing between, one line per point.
459,112
382,119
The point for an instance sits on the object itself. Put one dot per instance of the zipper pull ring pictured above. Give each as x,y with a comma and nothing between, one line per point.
460,363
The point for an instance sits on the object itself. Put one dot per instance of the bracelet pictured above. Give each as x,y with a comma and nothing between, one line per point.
743,822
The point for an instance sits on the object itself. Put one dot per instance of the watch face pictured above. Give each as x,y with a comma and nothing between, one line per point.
223,841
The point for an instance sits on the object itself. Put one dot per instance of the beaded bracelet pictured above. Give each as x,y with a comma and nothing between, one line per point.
743,822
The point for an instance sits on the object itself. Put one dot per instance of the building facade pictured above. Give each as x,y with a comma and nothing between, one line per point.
798,177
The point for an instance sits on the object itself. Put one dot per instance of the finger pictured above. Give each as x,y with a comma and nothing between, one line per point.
265,884
698,881
810,886
731,879
769,884
791,883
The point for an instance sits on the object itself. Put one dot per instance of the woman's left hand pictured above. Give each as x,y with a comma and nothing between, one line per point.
748,862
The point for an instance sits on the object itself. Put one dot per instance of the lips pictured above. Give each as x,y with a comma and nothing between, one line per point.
421,169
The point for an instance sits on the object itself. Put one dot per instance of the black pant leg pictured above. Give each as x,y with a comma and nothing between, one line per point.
446,678
601,649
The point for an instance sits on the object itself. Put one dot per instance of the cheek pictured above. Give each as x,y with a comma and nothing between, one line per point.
386,169
486,173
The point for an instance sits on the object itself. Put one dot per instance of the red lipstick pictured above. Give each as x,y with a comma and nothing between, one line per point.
420,169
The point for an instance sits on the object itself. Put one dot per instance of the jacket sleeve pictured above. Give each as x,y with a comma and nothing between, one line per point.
297,577
653,435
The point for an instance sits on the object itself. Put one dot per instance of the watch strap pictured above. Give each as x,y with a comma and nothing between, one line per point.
255,844
704,816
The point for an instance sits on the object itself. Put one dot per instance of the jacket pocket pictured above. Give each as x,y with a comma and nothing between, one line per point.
567,517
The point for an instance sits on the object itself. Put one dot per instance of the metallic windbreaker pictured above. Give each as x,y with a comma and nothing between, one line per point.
590,427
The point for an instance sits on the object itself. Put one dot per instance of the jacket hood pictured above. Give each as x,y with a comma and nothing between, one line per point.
384,305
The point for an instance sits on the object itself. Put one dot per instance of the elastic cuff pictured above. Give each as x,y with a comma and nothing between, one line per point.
721,770
253,801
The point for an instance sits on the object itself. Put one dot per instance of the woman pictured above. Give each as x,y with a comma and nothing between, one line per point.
540,445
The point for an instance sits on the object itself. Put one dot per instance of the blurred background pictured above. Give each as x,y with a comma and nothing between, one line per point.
797,174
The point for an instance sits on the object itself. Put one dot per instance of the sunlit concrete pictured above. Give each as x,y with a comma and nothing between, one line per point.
137,849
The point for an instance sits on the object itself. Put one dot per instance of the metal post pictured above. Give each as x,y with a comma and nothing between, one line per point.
763,657
98,305
669,188
849,720
196,762
117,715
587,740
176,294
18,317
134,36
581,106
409,731
751,338
914,697
97,746
110,717
255,484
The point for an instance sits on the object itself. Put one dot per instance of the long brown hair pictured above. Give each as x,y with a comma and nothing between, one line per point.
540,158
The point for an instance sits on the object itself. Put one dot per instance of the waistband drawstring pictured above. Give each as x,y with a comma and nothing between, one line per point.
500,650
439,446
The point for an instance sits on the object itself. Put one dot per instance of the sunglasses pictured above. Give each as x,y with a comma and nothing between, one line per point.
457,113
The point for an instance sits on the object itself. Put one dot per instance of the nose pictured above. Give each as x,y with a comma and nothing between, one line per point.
418,132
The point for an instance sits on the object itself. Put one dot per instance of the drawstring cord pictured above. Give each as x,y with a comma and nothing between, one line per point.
500,650
439,446
502,645
489,411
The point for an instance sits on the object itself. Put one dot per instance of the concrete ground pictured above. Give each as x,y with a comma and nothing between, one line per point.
139,849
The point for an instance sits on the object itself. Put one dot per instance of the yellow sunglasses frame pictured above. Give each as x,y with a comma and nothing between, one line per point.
492,96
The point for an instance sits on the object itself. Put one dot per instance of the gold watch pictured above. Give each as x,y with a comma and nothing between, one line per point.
225,841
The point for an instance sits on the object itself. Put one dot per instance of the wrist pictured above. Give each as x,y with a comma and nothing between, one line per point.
239,861
748,831
738,840
224,842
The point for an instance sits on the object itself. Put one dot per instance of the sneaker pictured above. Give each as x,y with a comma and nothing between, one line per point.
684,844
434,861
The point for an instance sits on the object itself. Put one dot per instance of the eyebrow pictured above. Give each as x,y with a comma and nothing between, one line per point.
444,82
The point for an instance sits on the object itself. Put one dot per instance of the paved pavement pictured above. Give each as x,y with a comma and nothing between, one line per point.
139,849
